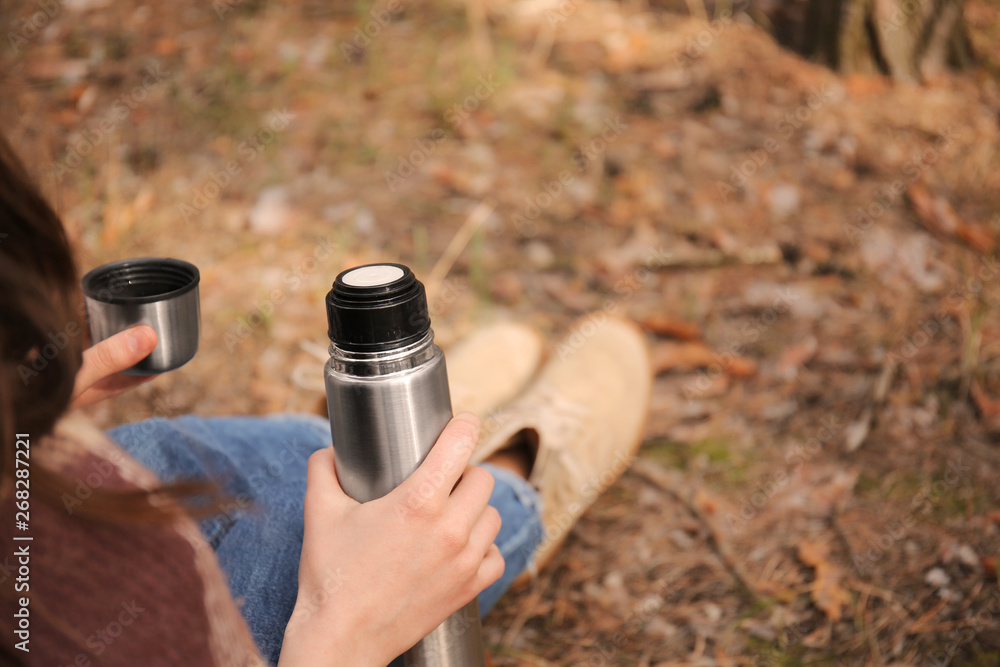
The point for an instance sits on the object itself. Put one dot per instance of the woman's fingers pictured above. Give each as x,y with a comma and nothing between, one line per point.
491,569
471,496
103,362
115,354
323,490
433,481
485,531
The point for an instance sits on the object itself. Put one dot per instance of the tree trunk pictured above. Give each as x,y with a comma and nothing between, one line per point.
908,40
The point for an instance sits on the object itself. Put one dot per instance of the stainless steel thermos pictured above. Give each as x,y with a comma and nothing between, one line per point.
387,394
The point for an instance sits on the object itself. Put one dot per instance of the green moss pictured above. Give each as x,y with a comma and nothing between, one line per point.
717,451
117,46
726,467
770,654
867,484
667,453
896,486
477,265
368,154
985,659
76,44
421,253
767,654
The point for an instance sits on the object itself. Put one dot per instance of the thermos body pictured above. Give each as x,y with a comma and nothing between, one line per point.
383,425
388,403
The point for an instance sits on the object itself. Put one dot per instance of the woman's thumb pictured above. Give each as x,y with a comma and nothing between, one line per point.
321,480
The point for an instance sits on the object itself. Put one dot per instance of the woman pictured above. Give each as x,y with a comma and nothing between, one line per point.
108,566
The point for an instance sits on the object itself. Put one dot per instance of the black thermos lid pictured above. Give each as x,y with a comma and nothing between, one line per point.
376,307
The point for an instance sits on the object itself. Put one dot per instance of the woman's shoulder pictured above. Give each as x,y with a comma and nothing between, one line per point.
104,591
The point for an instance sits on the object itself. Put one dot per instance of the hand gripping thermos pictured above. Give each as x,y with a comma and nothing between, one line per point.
387,393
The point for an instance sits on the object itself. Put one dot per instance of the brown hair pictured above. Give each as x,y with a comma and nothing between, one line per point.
41,350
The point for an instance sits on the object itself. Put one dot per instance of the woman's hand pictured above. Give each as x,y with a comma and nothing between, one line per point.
375,578
100,375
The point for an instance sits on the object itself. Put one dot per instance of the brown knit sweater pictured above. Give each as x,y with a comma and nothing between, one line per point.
104,594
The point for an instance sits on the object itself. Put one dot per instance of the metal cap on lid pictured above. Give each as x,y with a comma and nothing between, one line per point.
376,307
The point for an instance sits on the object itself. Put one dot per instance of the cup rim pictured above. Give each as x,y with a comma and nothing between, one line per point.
93,288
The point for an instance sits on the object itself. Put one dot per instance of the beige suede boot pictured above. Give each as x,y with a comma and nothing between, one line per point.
584,418
490,367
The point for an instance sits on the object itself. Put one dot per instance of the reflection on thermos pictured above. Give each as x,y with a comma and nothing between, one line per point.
387,393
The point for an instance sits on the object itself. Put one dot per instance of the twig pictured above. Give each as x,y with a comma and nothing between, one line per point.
482,46
917,625
857,432
456,246
524,656
710,259
881,593
697,9
870,631
527,610
676,486
542,48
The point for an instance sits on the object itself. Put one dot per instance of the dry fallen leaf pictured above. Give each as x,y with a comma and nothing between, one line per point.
640,250
690,356
795,356
706,502
938,217
990,566
859,86
857,431
661,325
988,407
827,593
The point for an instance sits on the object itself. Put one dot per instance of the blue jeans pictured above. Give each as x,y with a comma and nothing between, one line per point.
260,463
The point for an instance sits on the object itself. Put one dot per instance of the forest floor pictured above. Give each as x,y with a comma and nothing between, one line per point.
812,256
